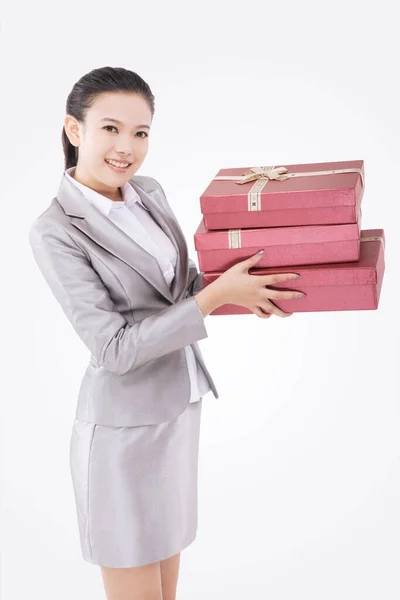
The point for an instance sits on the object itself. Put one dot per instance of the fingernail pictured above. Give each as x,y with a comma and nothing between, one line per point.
295,276
260,252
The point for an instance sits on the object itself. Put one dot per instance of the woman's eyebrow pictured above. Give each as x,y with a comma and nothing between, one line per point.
120,122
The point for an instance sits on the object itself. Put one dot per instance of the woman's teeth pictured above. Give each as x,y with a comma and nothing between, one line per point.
120,165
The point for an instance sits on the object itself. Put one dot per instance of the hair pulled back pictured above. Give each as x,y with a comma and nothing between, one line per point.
91,85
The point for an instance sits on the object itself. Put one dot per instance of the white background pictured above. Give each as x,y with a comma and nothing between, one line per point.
299,482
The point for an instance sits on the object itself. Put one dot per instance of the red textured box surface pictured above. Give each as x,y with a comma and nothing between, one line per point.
334,287
300,200
219,250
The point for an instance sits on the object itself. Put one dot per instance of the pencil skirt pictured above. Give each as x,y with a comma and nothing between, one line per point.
135,489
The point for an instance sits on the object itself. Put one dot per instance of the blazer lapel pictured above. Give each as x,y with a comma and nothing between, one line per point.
170,226
93,223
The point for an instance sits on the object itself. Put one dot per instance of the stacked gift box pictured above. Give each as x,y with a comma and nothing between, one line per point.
307,218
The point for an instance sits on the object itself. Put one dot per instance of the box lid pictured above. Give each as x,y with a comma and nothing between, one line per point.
335,189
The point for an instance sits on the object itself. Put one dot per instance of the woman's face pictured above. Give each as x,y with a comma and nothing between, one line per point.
101,138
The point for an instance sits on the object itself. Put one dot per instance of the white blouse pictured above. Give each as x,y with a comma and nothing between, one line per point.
135,220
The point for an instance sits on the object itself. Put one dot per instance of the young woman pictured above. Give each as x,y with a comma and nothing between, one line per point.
113,254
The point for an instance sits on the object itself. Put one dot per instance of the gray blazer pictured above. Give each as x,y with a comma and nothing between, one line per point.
115,295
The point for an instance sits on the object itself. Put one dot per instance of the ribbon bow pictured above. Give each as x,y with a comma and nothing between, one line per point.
264,173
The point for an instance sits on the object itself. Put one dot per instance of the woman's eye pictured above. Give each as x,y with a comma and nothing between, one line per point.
139,132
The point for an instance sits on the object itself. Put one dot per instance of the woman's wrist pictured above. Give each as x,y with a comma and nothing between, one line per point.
209,298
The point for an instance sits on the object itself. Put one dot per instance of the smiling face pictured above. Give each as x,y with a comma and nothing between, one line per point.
100,137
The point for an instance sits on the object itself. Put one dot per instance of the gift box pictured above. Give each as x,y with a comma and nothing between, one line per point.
219,250
333,287
326,193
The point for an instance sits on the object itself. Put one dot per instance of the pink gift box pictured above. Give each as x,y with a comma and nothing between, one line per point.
301,199
219,250
334,287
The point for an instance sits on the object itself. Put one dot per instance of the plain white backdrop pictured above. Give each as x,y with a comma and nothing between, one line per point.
299,483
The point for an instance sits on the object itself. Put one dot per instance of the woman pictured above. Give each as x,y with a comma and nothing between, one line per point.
115,258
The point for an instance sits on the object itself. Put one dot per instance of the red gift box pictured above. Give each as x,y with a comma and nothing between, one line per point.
304,194
334,287
313,244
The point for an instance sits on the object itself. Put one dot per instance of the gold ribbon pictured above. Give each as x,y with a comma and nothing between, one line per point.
261,176
235,240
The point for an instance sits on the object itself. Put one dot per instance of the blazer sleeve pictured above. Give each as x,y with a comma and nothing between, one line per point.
116,345
195,281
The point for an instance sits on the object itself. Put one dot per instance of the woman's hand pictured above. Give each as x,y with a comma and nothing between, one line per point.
237,286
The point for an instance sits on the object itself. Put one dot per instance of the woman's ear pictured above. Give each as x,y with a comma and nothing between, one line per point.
71,127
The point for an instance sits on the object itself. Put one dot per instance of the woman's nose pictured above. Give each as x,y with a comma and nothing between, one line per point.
125,148
124,151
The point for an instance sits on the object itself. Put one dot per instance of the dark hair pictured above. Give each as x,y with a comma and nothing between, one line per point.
91,85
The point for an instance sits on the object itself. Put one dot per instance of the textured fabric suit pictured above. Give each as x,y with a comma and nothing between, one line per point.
135,438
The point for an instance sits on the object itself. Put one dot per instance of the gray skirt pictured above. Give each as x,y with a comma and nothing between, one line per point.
135,489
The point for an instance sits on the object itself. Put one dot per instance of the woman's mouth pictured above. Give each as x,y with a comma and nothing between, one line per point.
119,166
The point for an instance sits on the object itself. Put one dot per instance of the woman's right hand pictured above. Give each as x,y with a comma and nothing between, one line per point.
237,286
